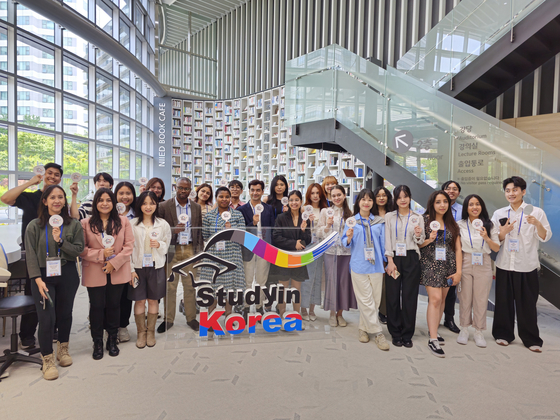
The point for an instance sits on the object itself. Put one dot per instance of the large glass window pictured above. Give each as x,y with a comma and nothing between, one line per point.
104,16
76,156
80,6
3,98
75,44
126,7
104,91
125,74
139,110
34,149
3,147
35,107
139,19
138,48
4,9
104,126
104,60
35,23
125,133
125,101
75,118
3,50
38,64
138,138
124,165
138,166
75,77
124,34
104,159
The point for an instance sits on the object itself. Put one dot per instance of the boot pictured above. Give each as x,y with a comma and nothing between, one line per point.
49,369
112,347
151,338
97,349
140,330
62,354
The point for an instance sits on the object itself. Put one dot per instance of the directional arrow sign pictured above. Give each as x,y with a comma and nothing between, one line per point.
402,141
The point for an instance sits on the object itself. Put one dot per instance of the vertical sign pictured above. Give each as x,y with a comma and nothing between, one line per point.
162,142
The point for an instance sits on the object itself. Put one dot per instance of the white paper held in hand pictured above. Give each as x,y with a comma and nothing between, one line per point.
351,222
154,234
121,208
55,220
192,195
305,216
223,182
76,177
477,224
528,209
330,212
259,208
226,215
183,218
143,180
435,225
308,208
284,201
108,241
414,220
39,170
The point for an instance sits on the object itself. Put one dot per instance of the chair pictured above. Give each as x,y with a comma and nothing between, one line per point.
14,306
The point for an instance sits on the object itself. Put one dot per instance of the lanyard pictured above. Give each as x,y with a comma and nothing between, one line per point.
444,234
397,225
470,239
217,217
454,213
520,221
47,239
369,230
328,202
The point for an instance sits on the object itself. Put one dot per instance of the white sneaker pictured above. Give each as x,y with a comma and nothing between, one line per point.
463,336
536,349
479,339
363,336
502,342
381,342
124,336
341,321
332,321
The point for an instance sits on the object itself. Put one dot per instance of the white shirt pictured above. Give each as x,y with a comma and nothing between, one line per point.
158,254
527,259
338,226
391,239
181,210
476,238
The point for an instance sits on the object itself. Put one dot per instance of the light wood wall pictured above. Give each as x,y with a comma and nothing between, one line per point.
543,127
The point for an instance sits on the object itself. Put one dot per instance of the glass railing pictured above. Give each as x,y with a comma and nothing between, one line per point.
461,36
431,135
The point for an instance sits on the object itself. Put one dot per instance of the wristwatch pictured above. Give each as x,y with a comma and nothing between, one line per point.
60,243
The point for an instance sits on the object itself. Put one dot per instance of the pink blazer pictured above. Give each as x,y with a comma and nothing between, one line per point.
93,259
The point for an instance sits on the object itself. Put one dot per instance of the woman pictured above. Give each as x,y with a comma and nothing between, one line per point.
126,194
440,262
367,242
404,231
148,266
383,205
476,279
290,233
157,186
311,288
230,251
105,269
204,198
328,184
278,190
53,289
339,294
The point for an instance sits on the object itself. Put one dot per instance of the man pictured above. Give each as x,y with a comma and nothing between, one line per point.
100,180
259,225
29,203
453,189
186,241
517,265
236,189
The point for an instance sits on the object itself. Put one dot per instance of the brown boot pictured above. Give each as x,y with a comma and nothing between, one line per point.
49,369
62,354
151,339
141,330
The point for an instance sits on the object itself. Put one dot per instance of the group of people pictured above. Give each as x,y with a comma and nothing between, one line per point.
127,245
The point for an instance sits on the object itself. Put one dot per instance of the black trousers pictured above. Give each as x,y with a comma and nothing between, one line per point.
450,300
125,311
104,308
62,290
28,324
517,293
401,319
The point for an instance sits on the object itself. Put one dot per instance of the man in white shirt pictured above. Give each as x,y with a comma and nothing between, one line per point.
517,265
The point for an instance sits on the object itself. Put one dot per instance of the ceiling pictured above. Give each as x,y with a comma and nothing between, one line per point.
202,13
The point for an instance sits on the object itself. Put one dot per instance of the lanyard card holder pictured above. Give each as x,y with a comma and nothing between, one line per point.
513,245
401,249
221,246
183,238
369,255
147,260
477,258
440,254
54,266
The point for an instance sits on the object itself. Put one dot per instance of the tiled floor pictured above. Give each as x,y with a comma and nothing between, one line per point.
326,378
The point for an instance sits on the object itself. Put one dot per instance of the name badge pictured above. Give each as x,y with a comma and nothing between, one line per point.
513,245
440,254
313,238
369,255
401,249
54,267
259,233
147,261
183,238
221,246
477,258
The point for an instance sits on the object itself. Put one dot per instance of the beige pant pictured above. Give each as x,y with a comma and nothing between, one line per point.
476,282
256,269
367,288
182,252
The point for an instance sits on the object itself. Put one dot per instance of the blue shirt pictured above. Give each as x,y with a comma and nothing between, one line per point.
184,209
358,262
457,211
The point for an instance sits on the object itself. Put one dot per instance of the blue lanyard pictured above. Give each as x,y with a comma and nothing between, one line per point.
444,234
328,203
520,221
47,239
217,217
470,239
397,225
369,230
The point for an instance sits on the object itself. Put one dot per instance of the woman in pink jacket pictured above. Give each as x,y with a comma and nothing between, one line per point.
106,267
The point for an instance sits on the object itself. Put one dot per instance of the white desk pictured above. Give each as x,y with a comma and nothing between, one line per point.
10,237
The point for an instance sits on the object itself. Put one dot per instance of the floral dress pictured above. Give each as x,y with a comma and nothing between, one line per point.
435,273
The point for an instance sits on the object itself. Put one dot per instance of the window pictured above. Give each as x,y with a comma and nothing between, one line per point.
48,113
104,125
4,51
22,96
79,6
75,78
104,91
35,23
124,164
47,99
125,74
125,102
48,68
3,151
35,107
70,86
4,96
67,71
104,159
76,45
75,118
47,24
138,48
139,110
23,65
138,138
22,50
76,157
22,20
23,110
125,7
41,59
139,19
67,41
104,61
4,65
124,34
104,16
125,133
69,114
34,149
138,166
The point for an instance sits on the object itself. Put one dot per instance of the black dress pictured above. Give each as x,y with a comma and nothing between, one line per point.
435,273
285,237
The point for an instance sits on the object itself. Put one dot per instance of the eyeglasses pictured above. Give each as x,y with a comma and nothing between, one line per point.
184,188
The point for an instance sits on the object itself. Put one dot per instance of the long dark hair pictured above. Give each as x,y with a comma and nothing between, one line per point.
131,188
322,197
397,191
114,223
138,210
487,223
297,193
448,219
388,206
152,182
362,194
272,200
346,212
201,186
43,212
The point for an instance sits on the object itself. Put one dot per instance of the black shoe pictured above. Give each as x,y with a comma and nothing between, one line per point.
112,347
97,349
382,318
440,339
433,345
193,324
397,342
55,336
450,324
407,343
164,326
28,343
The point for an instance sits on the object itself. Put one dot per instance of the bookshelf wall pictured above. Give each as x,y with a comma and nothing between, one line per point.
245,139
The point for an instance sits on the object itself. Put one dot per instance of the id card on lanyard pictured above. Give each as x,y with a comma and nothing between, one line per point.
401,246
440,251
54,264
369,253
185,237
220,246
476,257
513,243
